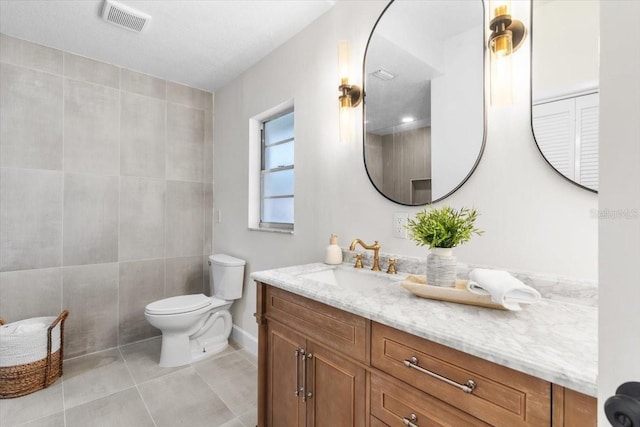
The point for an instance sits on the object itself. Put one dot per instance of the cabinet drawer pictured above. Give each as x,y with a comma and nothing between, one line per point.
374,422
501,397
395,403
345,332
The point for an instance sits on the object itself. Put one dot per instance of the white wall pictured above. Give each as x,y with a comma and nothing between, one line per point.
457,123
619,322
565,47
533,219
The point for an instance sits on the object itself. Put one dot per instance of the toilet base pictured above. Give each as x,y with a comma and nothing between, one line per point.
211,338
197,354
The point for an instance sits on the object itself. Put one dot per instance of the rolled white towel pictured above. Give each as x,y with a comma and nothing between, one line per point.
504,289
8,329
27,328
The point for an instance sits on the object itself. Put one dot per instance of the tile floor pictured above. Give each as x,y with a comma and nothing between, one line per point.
125,387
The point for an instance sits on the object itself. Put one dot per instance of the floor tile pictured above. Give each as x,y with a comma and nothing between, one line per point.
249,418
233,423
32,406
233,378
230,349
97,375
183,398
123,409
55,420
250,357
98,390
142,359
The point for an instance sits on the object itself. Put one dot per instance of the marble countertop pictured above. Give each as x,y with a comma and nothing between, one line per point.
552,340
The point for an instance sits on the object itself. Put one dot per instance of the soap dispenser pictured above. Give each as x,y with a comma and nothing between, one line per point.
333,255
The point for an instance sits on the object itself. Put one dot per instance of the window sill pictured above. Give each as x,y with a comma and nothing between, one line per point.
271,230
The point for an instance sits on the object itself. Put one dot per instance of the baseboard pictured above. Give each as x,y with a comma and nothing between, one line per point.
245,340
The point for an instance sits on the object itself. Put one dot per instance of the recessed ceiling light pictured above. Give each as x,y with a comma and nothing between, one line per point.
407,119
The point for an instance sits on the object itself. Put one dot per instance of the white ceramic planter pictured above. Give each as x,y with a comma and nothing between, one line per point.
441,267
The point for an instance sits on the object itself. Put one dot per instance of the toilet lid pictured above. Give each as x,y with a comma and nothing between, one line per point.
179,304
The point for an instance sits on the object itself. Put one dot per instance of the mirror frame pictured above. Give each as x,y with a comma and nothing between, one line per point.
533,132
484,109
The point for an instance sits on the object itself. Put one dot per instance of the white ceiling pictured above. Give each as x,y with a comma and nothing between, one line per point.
204,44
409,41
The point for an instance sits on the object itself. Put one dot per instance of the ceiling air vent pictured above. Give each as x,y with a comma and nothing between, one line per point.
125,16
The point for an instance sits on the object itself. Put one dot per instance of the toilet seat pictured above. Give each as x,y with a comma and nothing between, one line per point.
183,304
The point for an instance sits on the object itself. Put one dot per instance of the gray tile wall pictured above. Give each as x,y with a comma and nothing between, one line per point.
106,193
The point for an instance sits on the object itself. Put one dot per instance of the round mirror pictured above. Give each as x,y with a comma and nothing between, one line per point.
564,87
424,112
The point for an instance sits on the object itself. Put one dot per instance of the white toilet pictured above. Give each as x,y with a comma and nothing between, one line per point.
197,326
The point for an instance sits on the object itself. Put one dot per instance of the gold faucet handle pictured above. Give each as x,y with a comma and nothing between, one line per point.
392,266
358,261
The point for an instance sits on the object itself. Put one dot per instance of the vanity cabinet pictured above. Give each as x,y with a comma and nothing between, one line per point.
311,371
321,366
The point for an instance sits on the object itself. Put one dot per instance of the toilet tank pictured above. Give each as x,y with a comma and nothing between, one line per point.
226,276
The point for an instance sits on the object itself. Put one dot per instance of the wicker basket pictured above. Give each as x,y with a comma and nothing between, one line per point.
24,378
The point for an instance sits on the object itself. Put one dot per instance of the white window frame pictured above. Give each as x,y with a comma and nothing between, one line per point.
255,169
264,172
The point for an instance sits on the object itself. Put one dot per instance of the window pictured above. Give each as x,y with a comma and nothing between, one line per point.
276,172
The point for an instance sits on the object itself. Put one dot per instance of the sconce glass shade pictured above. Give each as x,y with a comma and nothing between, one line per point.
343,61
507,34
501,48
347,124
350,95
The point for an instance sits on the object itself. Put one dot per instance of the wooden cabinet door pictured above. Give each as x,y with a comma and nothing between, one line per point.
338,388
284,408
571,408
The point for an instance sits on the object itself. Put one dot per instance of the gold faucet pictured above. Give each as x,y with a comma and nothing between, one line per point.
392,266
376,252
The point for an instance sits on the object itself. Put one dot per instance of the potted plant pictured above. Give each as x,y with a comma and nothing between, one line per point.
442,229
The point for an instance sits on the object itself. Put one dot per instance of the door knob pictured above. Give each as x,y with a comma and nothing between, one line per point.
623,409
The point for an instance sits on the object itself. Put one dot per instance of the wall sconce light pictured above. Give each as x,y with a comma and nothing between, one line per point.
507,35
350,95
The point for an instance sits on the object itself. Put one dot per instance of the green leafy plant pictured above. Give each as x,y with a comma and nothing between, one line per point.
444,227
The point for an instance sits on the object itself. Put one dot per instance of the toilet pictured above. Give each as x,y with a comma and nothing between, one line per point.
197,326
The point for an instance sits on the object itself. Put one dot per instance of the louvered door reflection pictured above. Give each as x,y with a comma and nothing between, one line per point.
566,132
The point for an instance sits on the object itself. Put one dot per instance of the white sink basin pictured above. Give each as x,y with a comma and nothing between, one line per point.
350,278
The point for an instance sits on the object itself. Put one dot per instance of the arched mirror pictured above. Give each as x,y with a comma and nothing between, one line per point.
564,86
424,120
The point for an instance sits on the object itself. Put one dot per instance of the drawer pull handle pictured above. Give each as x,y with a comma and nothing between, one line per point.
304,376
297,354
468,387
409,422
309,394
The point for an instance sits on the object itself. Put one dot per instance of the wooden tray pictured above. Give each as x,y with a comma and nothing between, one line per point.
418,286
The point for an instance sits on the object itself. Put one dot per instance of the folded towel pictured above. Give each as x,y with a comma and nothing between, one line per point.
504,289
